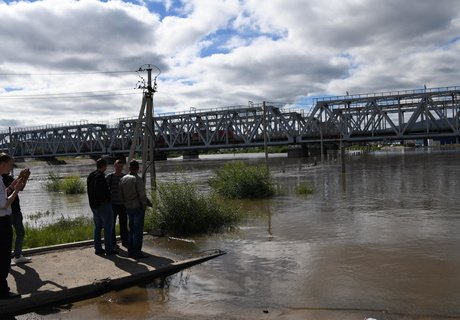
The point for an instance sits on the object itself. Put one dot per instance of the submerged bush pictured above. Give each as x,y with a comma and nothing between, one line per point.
69,185
72,185
179,209
237,180
304,189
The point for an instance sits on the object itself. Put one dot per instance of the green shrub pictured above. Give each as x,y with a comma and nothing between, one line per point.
72,185
304,189
63,231
179,209
237,180
69,185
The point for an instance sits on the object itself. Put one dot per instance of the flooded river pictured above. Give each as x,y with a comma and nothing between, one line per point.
381,241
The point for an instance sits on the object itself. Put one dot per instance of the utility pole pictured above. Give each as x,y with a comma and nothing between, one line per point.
145,127
265,132
320,126
10,143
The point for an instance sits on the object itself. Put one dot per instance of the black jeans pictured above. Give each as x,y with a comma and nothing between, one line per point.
6,242
120,211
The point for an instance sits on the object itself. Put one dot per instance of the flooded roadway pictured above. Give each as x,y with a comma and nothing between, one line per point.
380,241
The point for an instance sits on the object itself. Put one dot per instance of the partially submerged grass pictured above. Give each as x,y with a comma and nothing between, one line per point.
73,185
68,185
40,215
238,180
179,209
304,189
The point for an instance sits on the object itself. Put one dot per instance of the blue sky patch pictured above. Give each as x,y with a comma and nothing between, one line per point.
11,89
219,40
450,43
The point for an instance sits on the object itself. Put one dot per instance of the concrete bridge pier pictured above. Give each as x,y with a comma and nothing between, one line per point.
52,161
298,151
160,156
313,150
191,155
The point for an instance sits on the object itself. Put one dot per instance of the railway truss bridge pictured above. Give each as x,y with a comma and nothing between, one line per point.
385,116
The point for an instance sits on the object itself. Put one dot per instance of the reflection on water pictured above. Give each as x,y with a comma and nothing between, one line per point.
384,236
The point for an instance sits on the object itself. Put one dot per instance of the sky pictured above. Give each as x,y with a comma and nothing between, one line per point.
67,61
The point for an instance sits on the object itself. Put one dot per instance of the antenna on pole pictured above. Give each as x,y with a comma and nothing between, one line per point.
145,124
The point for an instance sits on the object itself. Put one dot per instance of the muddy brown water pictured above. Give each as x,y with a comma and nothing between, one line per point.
380,241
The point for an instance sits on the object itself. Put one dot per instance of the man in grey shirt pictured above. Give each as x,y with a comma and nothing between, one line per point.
132,193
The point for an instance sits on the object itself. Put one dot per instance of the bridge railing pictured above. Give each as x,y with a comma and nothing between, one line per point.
388,94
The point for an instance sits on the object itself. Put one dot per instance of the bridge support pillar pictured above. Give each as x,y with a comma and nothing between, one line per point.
190,155
332,151
314,149
297,151
161,155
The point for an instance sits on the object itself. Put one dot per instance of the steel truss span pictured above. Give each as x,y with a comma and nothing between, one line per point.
402,115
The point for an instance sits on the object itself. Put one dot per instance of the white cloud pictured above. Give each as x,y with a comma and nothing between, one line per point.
264,50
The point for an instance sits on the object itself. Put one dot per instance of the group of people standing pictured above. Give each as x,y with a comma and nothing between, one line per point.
117,195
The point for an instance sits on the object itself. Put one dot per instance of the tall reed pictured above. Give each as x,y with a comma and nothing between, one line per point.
179,209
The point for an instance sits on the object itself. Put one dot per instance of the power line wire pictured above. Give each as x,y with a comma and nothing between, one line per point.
67,73
69,97
58,94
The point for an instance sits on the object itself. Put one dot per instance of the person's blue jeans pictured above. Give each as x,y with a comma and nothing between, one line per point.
120,211
103,219
136,231
16,220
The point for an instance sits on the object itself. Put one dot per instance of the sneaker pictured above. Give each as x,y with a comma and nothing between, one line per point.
21,259
99,252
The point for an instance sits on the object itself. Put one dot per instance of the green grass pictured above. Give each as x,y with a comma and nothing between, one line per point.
179,209
63,231
238,180
304,189
68,185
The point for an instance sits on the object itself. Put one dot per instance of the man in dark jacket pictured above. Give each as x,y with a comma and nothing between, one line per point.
99,201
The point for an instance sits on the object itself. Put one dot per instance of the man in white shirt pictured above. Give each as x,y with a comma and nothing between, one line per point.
7,196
